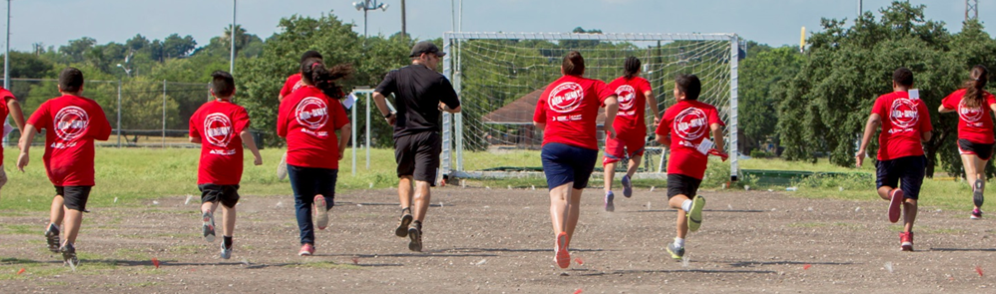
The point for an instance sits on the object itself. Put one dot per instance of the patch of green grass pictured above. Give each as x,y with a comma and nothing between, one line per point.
143,284
186,249
131,254
11,229
822,224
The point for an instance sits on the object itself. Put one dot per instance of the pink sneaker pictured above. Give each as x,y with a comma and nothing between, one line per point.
563,257
321,212
306,250
895,204
906,241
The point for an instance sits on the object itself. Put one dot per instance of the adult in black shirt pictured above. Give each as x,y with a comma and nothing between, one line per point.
421,94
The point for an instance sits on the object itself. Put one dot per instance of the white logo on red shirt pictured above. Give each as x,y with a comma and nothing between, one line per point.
971,116
297,85
71,122
690,124
218,129
566,97
312,113
627,99
904,114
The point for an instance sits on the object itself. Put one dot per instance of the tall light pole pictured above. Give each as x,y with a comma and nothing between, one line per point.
365,6
231,39
404,33
6,67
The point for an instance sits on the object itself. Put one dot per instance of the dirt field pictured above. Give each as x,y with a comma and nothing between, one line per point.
500,241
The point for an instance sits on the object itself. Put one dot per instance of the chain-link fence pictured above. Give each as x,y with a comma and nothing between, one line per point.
143,113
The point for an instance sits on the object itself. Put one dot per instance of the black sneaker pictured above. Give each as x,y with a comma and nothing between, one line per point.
69,255
406,220
52,238
415,234
977,192
676,252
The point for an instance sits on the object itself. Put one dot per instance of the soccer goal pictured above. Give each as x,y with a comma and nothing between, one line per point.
500,76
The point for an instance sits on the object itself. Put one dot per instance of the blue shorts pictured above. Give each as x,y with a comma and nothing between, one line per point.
905,172
563,164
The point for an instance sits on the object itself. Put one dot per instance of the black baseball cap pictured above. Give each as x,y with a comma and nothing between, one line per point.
426,47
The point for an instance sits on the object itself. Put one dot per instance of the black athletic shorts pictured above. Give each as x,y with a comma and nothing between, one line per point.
74,197
983,151
228,195
417,155
905,172
683,185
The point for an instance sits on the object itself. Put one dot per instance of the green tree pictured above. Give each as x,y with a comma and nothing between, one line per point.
765,73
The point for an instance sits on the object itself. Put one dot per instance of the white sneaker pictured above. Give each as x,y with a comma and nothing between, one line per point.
321,212
226,253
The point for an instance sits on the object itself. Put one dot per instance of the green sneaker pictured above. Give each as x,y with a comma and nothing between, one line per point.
695,214
676,252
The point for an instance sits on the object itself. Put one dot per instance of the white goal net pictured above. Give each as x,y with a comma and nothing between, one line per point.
500,76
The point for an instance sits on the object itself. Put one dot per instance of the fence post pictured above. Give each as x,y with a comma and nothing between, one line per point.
164,114
353,133
368,130
119,113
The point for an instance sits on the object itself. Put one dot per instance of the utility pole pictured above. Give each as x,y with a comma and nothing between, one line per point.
231,38
404,34
971,9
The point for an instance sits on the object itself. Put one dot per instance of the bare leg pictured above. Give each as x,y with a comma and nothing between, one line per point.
609,174
422,200
884,192
405,191
909,208
634,164
73,220
228,222
971,173
682,221
209,206
980,168
574,210
558,207
56,214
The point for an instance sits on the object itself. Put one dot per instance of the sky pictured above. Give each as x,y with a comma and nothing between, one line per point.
773,22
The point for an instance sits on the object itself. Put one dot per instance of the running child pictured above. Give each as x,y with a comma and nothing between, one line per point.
901,164
71,122
13,108
292,84
221,126
308,120
634,93
685,129
566,112
975,130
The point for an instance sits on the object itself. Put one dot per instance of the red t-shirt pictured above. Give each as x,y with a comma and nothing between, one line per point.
688,123
218,125
974,124
569,107
293,83
4,111
71,124
309,119
903,120
632,105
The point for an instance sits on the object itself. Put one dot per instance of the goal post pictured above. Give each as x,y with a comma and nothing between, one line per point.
498,77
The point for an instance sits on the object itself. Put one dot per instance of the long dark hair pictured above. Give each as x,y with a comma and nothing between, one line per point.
314,72
974,87
631,67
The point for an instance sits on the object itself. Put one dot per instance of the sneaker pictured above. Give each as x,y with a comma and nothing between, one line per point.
321,212
406,219
208,226
306,250
562,257
52,238
69,255
282,168
976,214
676,252
627,186
226,253
906,241
977,192
609,206
695,214
415,234
895,204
